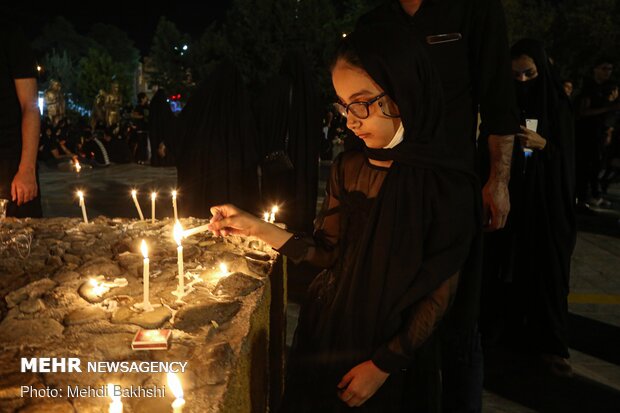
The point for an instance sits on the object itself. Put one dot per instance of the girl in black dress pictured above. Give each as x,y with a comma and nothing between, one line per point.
393,235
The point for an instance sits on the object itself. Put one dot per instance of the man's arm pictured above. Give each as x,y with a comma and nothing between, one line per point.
496,199
24,185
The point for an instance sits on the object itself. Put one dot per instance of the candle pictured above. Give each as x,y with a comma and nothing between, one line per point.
196,230
178,236
174,205
117,405
266,217
175,385
78,167
83,205
153,196
134,194
274,211
99,288
223,270
146,304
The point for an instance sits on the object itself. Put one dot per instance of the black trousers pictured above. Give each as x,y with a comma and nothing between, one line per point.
32,209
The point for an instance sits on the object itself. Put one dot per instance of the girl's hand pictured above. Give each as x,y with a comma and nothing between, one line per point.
361,383
228,219
530,139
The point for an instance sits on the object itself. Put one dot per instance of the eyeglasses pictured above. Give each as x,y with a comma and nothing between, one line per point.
361,110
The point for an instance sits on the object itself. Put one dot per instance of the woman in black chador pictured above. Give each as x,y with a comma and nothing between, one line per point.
216,156
527,264
393,235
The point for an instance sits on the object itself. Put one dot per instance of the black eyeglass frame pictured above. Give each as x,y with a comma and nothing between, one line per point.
338,106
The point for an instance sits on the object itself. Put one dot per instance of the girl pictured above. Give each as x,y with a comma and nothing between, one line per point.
393,235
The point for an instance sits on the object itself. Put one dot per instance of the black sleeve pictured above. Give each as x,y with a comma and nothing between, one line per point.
494,88
320,249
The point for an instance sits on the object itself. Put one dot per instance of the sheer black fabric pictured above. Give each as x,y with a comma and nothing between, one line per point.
394,240
161,129
530,258
217,158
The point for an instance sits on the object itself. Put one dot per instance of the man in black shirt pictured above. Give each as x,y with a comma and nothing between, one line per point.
19,123
467,42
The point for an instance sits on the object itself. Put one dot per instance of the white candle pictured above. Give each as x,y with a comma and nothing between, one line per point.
174,205
178,236
190,232
274,211
175,385
134,194
83,205
117,405
153,196
145,277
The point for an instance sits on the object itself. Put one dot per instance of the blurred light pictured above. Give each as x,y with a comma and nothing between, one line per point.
184,47
344,35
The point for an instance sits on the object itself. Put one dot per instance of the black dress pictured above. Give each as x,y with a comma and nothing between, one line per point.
311,383
527,264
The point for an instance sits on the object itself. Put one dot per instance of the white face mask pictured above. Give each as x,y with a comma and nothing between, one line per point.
398,137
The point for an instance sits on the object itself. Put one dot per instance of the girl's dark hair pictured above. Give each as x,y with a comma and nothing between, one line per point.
346,51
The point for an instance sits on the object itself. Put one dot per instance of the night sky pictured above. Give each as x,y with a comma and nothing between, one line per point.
138,22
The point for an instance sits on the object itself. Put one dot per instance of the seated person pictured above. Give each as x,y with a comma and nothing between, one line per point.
117,148
94,151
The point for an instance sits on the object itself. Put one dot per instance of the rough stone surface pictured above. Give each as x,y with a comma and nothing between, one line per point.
150,319
191,319
100,266
32,331
84,315
47,311
237,284
32,290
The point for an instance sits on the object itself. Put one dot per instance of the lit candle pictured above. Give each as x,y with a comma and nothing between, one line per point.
174,205
134,195
78,167
83,205
266,216
99,288
153,196
274,211
190,232
223,270
146,304
178,236
117,405
175,385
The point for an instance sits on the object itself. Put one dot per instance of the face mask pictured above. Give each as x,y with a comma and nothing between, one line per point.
398,137
524,91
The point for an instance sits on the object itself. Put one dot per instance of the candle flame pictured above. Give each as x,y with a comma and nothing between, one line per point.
274,209
175,385
98,288
144,249
178,233
153,195
266,216
224,268
134,193
115,398
78,167
80,194
174,194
